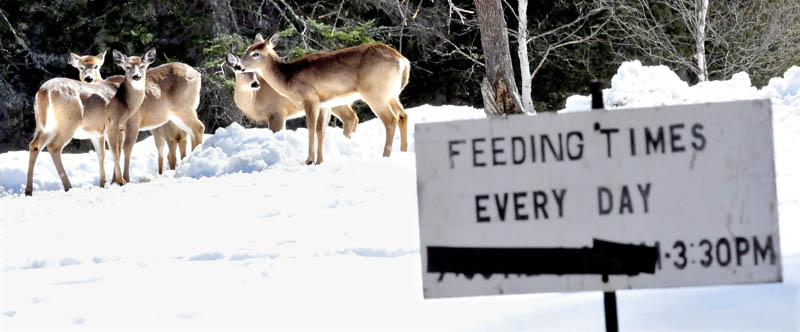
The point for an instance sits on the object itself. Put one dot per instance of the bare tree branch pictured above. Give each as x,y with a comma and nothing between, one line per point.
759,36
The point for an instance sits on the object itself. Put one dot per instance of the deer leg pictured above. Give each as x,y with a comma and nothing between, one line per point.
171,155
34,153
402,122
113,134
312,110
160,141
99,144
355,119
182,144
322,123
55,153
197,130
348,117
189,121
131,134
389,119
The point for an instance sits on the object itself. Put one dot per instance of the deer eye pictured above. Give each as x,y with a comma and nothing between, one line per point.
81,67
255,54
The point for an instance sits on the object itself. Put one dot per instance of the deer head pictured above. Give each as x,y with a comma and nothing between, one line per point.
88,65
135,67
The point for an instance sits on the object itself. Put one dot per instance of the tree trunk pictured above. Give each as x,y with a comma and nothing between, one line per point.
700,40
524,63
499,88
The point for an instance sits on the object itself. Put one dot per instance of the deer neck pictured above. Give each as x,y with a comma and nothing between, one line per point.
269,69
244,97
132,94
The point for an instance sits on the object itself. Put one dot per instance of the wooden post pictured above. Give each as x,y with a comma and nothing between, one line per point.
609,298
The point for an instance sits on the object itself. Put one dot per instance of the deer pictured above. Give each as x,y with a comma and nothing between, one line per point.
374,73
169,134
262,104
65,109
172,94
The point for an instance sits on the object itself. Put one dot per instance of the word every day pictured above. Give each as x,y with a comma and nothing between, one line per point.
569,146
546,204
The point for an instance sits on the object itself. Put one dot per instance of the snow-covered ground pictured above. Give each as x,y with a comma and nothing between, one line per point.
242,235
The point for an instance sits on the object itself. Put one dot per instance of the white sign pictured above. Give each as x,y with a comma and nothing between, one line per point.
601,200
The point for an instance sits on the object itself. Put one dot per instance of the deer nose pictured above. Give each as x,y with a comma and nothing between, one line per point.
136,77
255,85
88,79
238,68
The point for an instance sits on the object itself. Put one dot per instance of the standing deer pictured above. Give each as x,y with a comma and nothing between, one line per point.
65,109
261,104
375,73
169,134
172,94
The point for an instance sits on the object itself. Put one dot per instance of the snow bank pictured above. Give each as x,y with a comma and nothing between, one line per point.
786,88
235,149
636,85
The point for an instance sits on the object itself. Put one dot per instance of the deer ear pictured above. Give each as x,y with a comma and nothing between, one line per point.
73,60
150,56
119,58
231,60
258,38
102,57
273,41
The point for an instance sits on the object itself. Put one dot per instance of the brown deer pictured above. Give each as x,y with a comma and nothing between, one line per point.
375,73
66,108
168,134
261,104
172,94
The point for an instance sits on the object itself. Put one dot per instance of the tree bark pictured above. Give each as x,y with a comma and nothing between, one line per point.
700,40
499,88
522,53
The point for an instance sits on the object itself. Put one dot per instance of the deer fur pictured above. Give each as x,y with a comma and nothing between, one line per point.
375,73
262,104
168,134
172,94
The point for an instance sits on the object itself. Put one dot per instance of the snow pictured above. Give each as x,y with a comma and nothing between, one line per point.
242,235
636,85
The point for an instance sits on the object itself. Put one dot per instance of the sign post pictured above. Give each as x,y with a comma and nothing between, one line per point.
660,197
609,298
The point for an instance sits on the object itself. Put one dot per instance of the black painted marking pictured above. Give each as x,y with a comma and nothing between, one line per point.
604,258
